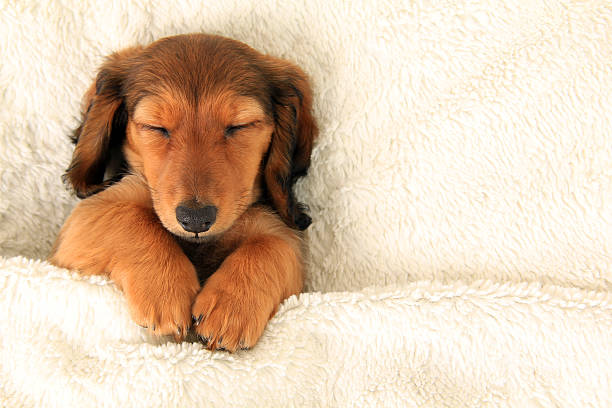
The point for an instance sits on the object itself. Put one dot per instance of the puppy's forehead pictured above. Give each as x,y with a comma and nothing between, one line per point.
225,106
199,67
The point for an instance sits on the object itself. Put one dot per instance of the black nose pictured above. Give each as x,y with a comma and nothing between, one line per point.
196,218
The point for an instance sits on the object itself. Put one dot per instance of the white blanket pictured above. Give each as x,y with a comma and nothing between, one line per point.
70,342
460,191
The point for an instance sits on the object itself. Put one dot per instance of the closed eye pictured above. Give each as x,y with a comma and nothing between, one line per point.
231,130
161,130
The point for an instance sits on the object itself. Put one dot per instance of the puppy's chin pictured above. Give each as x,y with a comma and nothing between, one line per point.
191,237
200,238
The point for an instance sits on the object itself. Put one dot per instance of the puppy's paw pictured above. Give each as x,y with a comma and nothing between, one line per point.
229,316
162,303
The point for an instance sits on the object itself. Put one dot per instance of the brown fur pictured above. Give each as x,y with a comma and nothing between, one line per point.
240,131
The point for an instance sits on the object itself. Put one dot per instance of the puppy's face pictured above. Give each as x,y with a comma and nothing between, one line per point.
212,125
202,159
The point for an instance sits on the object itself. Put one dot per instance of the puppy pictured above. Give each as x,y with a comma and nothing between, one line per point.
186,156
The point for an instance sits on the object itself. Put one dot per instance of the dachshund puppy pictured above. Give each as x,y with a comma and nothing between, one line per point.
186,157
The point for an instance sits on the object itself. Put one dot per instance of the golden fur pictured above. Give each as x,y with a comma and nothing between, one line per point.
207,121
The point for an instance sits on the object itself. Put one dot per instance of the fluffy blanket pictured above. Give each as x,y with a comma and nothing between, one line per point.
69,341
460,190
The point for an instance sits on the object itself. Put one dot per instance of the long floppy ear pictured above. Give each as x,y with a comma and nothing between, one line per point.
292,139
99,137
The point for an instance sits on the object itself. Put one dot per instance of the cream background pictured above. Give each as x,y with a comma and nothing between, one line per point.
464,144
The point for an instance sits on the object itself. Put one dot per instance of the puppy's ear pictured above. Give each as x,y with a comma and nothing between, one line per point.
102,128
292,139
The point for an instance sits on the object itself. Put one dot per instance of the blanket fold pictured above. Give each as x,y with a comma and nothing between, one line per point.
422,344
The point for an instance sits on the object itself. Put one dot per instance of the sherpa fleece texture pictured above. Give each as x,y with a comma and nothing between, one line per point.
460,253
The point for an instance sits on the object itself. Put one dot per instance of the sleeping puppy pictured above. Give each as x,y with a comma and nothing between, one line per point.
186,156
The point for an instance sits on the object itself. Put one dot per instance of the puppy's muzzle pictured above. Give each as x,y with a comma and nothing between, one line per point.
196,218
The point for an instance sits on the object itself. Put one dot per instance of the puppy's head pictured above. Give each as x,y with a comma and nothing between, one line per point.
211,124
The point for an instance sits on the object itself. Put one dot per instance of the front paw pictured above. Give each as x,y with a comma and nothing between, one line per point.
229,315
161,304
